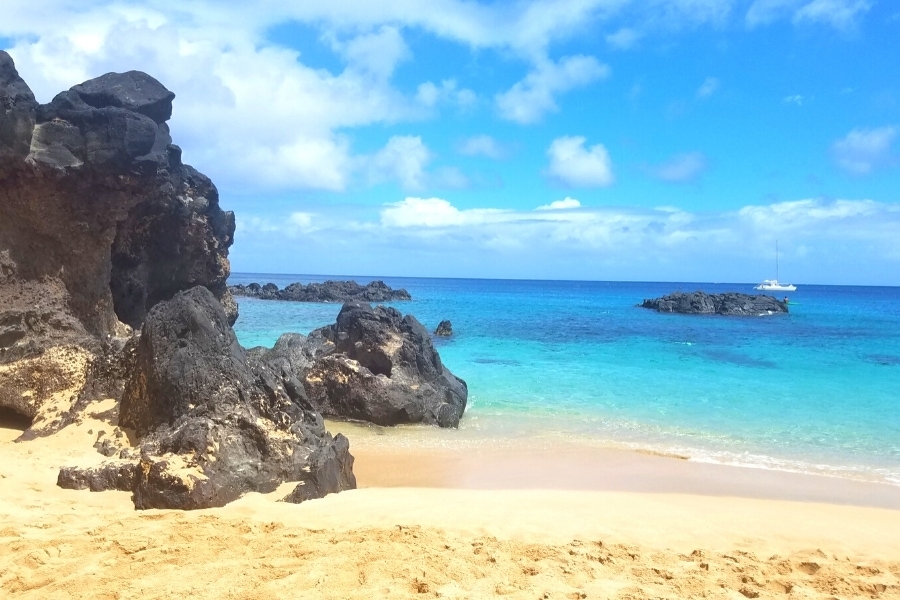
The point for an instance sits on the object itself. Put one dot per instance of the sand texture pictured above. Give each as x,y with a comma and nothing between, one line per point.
399,542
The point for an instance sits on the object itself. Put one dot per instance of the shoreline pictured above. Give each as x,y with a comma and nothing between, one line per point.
508,530
394,459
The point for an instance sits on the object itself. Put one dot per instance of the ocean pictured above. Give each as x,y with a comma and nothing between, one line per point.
814,391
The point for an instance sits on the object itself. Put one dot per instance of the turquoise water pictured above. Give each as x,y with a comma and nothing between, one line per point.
817,390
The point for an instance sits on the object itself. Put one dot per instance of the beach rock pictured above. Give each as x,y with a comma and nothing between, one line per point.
376,365
114,475
730,303
216,422
330,291
99,221
444,329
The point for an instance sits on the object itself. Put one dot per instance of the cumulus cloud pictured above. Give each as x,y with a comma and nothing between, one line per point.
563,204
430,94
482,145
862,150
403,159
664,243
840,14
681,168
535,95
434,212
794,99
709,87
376,53
574,165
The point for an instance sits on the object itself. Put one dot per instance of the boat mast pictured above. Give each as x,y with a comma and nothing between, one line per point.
776,260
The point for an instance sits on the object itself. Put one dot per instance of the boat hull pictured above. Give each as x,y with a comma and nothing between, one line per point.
776,287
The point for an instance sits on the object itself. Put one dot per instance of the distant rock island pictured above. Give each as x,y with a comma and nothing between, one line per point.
729,303
330,291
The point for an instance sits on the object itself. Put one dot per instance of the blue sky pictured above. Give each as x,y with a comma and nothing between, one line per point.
665,140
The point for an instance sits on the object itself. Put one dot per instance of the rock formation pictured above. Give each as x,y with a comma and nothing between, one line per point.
214,422
103,230
730,303
372,365
330,291
99,221
444,329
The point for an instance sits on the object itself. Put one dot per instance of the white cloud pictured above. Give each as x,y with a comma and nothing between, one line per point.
429,94
403,159
434,212
376,53
840,14
574,165
534,96
482,145
709,87
623,39
862,150
794,99
563,204
681,168
834,241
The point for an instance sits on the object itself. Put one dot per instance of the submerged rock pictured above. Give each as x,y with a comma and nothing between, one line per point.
330,291
729,303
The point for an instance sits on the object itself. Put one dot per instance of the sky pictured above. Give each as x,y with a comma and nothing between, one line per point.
642,140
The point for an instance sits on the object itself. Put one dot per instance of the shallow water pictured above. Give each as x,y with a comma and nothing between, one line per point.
817,390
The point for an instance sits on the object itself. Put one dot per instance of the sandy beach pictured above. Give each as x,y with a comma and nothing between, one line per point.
453,524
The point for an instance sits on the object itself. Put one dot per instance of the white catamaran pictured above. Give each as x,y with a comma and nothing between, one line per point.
772,285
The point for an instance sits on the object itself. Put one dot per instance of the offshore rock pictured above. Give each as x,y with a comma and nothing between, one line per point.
444,329
214,421
374,365
330,291
99,221
730,303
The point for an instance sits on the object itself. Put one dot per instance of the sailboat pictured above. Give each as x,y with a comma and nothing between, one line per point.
772,285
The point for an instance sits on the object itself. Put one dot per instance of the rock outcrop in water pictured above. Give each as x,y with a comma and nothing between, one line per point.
444,329
99,221
330,291
103,230
372,365
730,303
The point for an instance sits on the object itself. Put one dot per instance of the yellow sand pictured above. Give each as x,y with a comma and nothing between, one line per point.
399,542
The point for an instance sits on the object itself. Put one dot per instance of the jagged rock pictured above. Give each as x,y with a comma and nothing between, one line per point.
730,303
99,221
444,329
374,365
17,108
214,421
330,291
